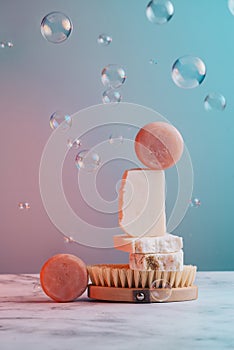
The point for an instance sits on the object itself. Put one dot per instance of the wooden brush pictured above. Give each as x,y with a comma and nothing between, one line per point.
116,282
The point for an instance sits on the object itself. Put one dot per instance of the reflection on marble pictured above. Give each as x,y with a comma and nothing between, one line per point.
30,320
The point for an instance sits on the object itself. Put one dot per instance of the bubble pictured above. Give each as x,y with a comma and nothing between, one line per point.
188,72
153,61
9,44
159,11
23,205
87,160
116,139
56,27
37,287
4,44
104,40
214,101
160,290
231,6
195,202
111,96
58,118
68,240
113,76
74,143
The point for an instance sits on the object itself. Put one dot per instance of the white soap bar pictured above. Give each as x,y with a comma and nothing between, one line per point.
162,244
160,262
142,203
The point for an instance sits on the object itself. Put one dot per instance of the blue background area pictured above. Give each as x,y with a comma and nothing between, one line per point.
38,77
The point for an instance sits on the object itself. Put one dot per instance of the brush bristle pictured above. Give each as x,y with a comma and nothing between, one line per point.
121,276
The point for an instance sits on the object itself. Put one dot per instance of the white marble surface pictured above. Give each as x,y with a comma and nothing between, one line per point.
30,320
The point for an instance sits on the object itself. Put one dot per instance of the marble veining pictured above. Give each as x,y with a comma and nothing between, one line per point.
29,319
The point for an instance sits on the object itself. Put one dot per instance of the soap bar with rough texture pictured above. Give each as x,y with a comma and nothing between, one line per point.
64,277
160,262
142,203
162,244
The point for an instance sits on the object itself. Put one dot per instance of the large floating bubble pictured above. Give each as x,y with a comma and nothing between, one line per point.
215,101
113,76
188,72
159,11
56,27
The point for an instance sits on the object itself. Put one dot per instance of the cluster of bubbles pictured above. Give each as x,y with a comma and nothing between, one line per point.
23,205
113,77
6,44
187,72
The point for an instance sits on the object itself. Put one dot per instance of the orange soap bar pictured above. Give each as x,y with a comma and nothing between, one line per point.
64,277
159,145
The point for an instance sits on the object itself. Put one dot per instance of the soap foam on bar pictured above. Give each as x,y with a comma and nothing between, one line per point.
160,262
164,244
142,203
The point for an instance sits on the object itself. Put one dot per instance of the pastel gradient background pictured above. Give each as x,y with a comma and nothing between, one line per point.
38,77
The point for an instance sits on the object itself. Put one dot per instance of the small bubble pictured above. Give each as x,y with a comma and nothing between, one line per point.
116,139
4,44
153,61
160,290
159,11
87,160
68,240
111,96
113,76
74,143
9,44
23,205
214,101
188,72
104,40
56,27
58,118
37,287
195,202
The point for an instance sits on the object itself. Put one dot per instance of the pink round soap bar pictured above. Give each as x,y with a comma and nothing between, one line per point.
64,277
159,145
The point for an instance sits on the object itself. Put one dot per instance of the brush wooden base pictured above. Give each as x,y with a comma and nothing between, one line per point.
139,295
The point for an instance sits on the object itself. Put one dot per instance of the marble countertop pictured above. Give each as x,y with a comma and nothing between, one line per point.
30,320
